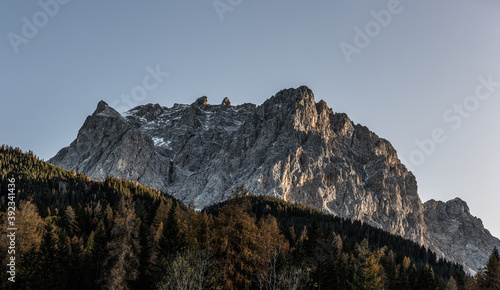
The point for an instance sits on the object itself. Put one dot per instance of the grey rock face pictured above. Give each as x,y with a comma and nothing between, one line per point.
289,147
459,234
108,144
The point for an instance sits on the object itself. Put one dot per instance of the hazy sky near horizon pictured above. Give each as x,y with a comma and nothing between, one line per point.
411,71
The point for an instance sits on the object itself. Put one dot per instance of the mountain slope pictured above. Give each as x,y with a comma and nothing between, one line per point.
290,147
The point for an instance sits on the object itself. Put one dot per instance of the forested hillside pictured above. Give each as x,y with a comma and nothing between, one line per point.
76,233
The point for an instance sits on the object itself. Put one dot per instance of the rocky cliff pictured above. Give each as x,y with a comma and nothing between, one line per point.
289,146
458,234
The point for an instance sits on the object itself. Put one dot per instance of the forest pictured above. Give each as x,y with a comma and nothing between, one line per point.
77,233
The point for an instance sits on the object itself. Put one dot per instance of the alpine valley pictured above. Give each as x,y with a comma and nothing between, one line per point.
290,147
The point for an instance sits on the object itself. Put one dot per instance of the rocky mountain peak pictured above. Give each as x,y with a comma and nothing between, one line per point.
226,102
453,207
459,234
296,105
101,106
149,112
103,109
457,205
201,101
300,96
322,107
289,147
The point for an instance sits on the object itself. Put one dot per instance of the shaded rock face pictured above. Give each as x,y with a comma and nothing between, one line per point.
290,147
108,144
459,234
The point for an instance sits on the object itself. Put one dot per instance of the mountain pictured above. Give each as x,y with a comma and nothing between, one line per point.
289,147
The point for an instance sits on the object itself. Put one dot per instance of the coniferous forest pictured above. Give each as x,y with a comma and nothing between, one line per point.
76,233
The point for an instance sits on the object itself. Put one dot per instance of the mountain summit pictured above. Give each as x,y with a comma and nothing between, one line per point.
290,147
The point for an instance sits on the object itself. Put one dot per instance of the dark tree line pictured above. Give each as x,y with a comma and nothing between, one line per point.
76,233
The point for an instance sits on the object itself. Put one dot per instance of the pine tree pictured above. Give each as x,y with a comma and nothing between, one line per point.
331,267
389,265
425,279
48,273
403,277
145,278
313,234
172,240
490,278
64,258
95,254
203,230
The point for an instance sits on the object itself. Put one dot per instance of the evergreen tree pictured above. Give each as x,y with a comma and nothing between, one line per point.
490,278
403,278
49,271
95,255
331,267
388,263
312,238
145,278
64,259
172,239
425,279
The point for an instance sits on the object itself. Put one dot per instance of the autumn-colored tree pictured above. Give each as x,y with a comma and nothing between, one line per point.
274,248
123,248
238,246
161,213
471,283
30,228
451,284
367,274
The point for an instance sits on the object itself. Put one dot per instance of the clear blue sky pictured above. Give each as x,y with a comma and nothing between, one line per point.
406,73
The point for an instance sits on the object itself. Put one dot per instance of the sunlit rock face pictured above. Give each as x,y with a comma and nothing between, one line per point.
290,146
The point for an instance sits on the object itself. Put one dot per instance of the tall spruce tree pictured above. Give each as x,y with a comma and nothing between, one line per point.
171,241
48,272
490,278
